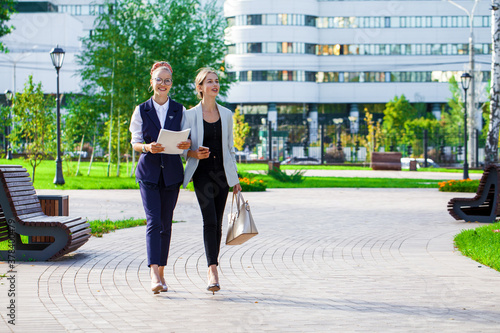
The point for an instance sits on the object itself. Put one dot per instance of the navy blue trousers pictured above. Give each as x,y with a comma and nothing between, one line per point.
159,202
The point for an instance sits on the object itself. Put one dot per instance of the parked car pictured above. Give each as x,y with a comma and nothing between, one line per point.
301,160
405,163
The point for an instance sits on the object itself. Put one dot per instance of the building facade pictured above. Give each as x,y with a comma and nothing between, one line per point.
324,59
40,26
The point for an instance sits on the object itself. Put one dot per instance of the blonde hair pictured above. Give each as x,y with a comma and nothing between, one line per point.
200,78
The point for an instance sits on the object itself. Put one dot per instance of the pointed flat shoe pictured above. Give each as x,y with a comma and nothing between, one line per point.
156,287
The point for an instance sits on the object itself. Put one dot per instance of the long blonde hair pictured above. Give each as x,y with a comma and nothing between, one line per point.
200,78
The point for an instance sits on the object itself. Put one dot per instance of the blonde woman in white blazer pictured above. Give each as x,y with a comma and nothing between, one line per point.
211,164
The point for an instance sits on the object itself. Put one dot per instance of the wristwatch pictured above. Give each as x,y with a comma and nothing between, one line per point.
144,149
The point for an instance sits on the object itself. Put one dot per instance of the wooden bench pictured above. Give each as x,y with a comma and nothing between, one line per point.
386,161
484,207
21,214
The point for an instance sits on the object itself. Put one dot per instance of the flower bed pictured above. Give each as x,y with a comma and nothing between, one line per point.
252,185
463,185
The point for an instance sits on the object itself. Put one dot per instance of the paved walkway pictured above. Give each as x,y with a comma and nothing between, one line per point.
389,174
326,260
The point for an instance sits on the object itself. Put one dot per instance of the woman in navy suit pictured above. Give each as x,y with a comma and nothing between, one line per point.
159,175
211,164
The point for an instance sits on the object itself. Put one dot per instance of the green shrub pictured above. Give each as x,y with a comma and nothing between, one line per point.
296,177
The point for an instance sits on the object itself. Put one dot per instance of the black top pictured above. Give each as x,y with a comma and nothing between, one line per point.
212,138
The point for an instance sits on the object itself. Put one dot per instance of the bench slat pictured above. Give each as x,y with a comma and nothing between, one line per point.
24,200
21,192
28,211
16,174
15,180
27,216
80,233
15,189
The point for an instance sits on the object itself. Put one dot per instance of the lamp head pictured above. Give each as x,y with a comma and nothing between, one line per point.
9,95
465,79
57,56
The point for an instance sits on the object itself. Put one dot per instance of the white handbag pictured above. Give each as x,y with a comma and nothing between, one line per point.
241,226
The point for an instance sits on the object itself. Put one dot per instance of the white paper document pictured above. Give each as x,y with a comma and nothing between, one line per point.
170,139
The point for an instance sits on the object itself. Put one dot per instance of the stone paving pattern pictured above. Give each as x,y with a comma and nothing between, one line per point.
326,260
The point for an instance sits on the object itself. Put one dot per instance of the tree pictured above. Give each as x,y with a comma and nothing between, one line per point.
491,148
396,114
81,110
240,129
452,121
372,140
34,123
129,38
6,10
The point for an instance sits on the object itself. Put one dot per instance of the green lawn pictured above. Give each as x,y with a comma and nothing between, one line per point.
98,176
97,179
481,244
353,182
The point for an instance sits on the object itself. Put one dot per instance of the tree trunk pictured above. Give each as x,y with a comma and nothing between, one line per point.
79,156
92,155
118,147
491,149
111,118
33,167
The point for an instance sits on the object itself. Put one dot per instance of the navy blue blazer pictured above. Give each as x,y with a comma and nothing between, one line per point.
150,165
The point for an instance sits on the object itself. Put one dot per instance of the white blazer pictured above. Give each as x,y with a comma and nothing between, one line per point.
193,119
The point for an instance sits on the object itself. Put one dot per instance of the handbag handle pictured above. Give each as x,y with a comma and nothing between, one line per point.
239,200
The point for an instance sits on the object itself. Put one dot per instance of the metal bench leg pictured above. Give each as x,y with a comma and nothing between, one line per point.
38,252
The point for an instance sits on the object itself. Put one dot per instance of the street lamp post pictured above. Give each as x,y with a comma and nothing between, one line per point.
270,139
352,123
322,137
9,96
465,79
57,56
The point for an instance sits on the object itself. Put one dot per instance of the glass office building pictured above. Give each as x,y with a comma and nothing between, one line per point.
319,59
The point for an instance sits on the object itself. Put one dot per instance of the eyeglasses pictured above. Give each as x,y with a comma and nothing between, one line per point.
167,82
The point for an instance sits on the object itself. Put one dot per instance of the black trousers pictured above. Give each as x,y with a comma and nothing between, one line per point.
211,190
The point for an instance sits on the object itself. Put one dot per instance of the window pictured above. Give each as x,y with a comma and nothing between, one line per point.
387,22
310,48
310,21
254,19
254,48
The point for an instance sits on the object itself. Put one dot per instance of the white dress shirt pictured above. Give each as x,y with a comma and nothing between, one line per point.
136,121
